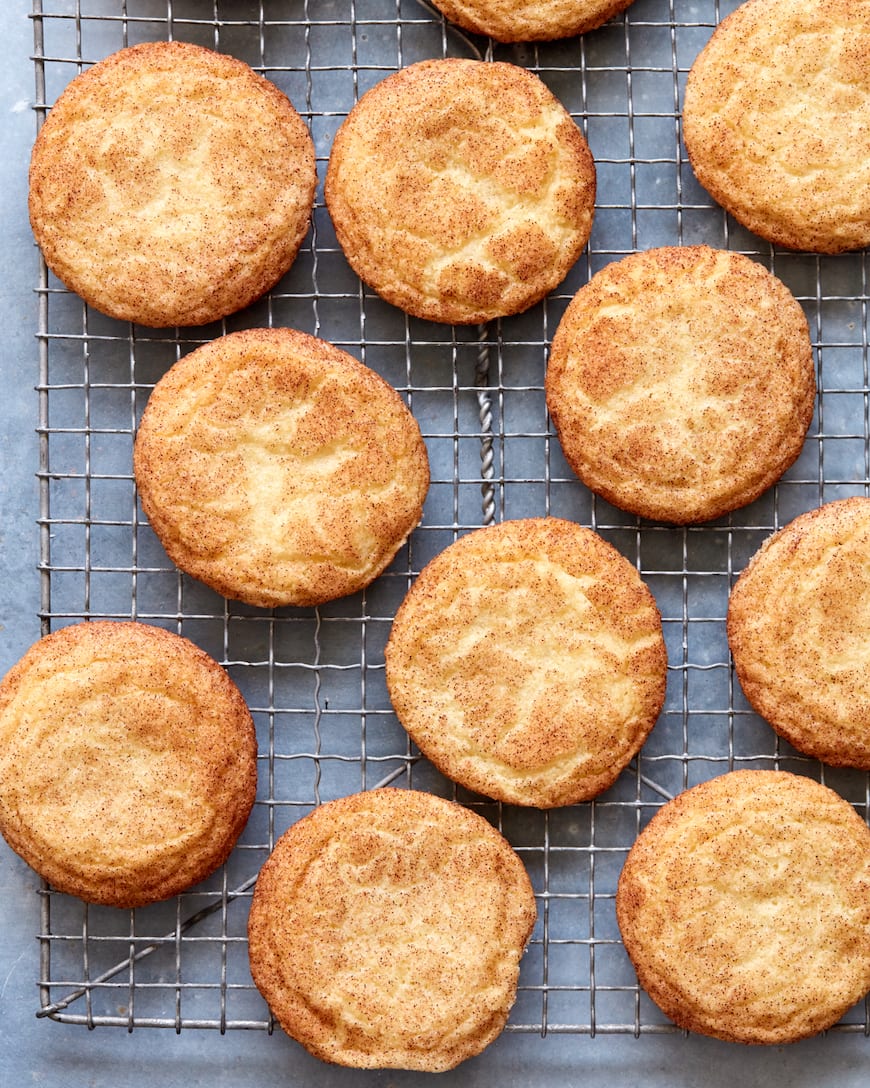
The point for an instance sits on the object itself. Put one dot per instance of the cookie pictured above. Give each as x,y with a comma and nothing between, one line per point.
386,931
744,906
171,185
775,121
128,762
461,190
543,20
527,662
798,632
278,469
680,382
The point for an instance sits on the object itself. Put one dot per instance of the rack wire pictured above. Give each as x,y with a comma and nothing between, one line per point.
314,678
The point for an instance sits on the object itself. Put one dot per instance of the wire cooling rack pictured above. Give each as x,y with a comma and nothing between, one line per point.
314,678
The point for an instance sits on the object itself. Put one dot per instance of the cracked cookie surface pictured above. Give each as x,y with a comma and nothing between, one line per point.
278,469
386,931
744,906
775,120
681,382
461,190
527,662
798,618
171,185
128,762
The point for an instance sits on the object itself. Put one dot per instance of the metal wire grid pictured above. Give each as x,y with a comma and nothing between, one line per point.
314,678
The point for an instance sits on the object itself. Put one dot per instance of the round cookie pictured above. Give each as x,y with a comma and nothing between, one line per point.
681,382
775,121
461,190
744,906
527,662
171,185
798,621
278,469
386,931
128,762
530,20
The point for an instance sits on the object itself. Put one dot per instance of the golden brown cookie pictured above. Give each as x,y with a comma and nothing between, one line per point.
744,906
527,662
386,931
128,762
775,121
798,623
681,382
530,20
461,190
278,469
171,185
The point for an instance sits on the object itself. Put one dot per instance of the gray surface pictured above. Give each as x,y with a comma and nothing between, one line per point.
46,1053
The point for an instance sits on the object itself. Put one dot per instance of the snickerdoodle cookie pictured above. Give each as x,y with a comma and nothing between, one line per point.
461,190
776,119
798,623
386,931
745,907
278,469
171,185
127,762
527,662
530,20
681,382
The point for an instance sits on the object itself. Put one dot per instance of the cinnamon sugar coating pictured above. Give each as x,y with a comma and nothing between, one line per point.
127,762
527,662
461,190
681,382
744,906
278,469
171,185
798,619
775,120
386,931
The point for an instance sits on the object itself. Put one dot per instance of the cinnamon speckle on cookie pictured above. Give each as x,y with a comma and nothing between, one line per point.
171,185
461,190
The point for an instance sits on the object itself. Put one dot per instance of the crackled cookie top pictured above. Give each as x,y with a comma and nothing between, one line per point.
798,622
776,120
527,662
278,469
745,907
171,185
681,382
386,931
461,190
127,762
